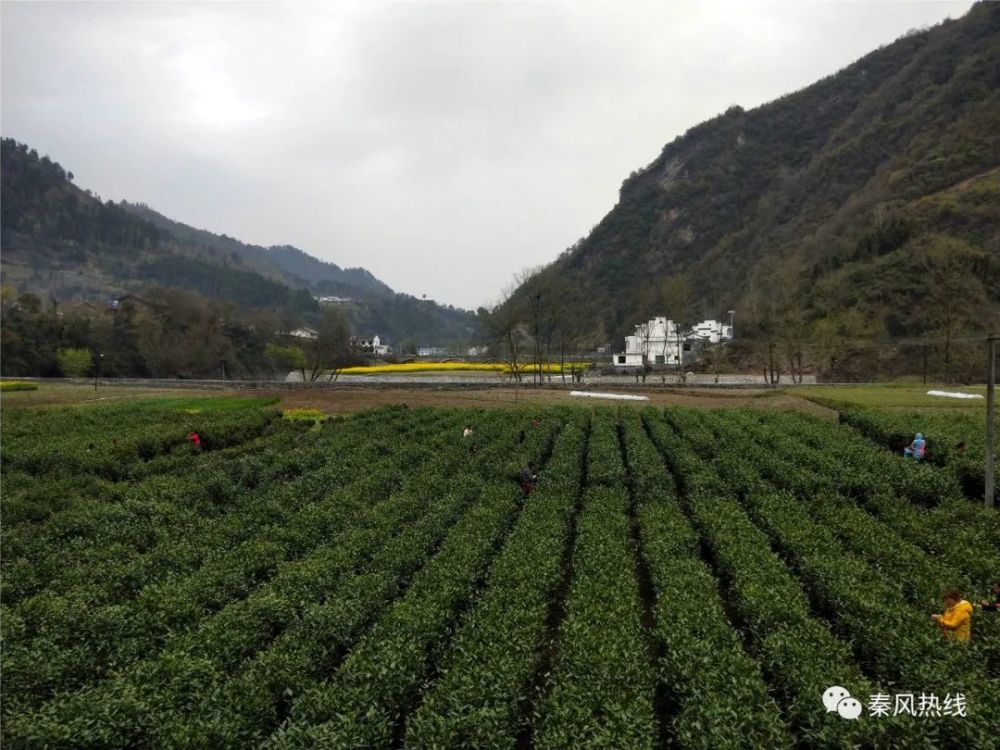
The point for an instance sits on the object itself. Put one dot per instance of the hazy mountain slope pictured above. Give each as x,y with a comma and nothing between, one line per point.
785,209
64,243
377,308
321,275
287,263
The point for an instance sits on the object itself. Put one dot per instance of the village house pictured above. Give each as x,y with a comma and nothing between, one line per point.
304,333
656,342
712,331
661,342
371,345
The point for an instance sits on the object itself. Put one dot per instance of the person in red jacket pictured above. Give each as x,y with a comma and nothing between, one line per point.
195,439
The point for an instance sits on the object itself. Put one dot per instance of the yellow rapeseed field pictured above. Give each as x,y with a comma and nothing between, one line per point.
17,385
500,367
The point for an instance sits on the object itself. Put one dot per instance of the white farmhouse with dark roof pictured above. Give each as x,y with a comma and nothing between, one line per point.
660,342
655,342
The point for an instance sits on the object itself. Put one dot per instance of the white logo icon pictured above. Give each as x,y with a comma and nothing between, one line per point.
849,708
833,696
838,699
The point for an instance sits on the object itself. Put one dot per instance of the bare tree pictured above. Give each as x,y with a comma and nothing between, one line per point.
792,332
567,326
502,324
330,351
645,334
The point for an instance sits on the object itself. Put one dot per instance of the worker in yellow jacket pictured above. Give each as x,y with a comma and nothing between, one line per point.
956,621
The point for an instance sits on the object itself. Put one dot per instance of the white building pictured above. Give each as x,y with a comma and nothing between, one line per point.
656,342
712,331
661,342
304,333
431,351
373,345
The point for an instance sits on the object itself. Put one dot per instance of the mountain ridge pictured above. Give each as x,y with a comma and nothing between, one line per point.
63,242
752,209
288,263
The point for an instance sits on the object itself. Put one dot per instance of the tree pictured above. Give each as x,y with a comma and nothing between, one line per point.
675,302
8,296
74,363
645,334
330,351
535,288
792,332
502,324
289,357
765,304
567,325
844,344
952,306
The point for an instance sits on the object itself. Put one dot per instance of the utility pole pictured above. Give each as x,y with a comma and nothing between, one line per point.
925,361
538,365
991,418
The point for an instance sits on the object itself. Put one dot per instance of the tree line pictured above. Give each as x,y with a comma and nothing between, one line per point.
166,333
862,330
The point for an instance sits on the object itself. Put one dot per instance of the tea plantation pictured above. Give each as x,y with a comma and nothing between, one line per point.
676,578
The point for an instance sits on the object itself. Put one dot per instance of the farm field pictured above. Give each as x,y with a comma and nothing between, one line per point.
349,400
956,439
677,578
892,396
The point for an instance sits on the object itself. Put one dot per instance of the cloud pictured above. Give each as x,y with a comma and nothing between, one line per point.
442,145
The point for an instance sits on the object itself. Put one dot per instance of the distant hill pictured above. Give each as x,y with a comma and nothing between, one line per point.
64,243
288,264
866,205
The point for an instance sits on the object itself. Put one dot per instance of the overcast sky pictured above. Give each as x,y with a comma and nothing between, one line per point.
441,145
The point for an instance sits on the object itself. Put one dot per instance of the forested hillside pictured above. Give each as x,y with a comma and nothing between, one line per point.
860,211
288,264
65,245
377,309
197,303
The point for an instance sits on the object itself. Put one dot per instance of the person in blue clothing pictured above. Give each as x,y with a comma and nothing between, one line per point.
917,448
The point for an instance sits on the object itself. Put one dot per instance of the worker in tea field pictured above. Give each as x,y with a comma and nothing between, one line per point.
467,432
195,439
917,449
992,605
956,621
528,479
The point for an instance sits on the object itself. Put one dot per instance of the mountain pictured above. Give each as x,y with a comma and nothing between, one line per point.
285,263
866,205
65,243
